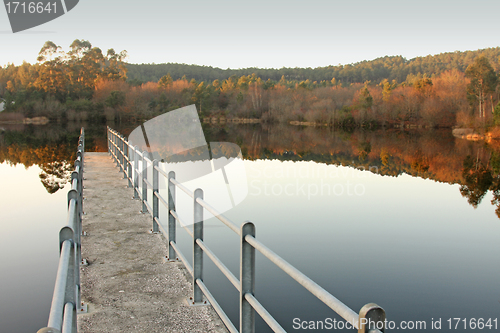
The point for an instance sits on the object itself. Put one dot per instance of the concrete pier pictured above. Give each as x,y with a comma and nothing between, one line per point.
127,285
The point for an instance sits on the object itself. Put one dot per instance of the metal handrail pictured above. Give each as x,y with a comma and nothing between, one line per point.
66,302
127,158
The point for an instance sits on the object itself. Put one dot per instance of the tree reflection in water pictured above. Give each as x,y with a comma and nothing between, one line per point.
426,154
55,175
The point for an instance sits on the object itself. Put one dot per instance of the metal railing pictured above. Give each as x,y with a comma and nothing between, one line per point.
371,317
66,302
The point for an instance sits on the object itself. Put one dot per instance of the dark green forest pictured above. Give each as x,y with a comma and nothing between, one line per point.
388,67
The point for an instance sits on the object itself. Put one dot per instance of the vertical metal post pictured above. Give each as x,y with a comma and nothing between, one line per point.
144,175
116,150
197,251
247,278
136,175
156,186
171,218
371,317
120,151
130,153
115,146
126,160
112,140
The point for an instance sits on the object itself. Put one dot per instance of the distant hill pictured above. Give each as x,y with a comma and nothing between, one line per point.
388,67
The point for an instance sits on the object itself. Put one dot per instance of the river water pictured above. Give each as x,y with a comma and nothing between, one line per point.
401,219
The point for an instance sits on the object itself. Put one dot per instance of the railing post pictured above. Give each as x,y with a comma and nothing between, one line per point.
110,138
113,137
111,141
126,170
129,165
371,317
124,160
144,174
247,278
120,151
136,175
156,208
122,155
171,218
197,251
117,159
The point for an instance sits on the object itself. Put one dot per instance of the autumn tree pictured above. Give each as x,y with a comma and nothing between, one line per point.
483,81
165,81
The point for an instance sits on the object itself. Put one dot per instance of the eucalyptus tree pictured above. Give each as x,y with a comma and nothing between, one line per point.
483,81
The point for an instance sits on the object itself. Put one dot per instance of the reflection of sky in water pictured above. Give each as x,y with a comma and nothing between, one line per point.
30,220
414,246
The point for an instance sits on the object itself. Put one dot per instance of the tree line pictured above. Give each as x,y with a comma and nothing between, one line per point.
450,89
388,67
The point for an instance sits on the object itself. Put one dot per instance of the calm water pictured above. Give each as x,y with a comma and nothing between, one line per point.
403,236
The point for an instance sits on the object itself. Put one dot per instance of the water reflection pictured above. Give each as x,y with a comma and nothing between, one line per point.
52,148
430,154
479,178
435,154
437,253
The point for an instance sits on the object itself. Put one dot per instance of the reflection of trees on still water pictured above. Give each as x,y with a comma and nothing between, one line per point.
50,148
55,175
426,154
429,154
479,178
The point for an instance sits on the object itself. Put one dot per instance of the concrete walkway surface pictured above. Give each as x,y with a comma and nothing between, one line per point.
127,284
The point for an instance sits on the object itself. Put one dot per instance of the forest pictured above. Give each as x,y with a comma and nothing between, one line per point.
457,89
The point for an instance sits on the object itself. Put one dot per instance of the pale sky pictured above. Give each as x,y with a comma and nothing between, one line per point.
240,34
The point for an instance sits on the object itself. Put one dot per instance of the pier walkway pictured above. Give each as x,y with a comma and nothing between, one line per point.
127,285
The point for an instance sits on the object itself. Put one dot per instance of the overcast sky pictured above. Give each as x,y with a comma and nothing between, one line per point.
239,34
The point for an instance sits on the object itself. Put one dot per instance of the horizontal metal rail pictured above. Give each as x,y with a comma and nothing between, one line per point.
181,256
163,201
230,276
264,314
219,216
183,224
148,183
182,187
161,171
128,158
340,308
150,209
225,319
